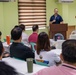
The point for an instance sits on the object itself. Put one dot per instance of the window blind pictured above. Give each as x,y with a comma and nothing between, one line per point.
32,12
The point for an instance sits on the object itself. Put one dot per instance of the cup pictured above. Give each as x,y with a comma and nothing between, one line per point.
29,65
8,39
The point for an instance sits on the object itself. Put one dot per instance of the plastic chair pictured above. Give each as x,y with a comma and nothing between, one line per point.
4,40
33,46
58,36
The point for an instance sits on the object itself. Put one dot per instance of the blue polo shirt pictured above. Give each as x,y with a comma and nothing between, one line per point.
58,19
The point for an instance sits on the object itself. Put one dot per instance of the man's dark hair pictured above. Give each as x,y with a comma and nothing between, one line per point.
16,33
0,33
6,69
1,48
16,26
35,27
22,26
69,51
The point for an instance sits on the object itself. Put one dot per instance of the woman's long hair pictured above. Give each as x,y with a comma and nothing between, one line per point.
43,42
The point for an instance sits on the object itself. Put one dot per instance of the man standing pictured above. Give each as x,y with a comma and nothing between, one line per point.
56,18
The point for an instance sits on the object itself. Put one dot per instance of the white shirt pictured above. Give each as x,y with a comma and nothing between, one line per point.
25,39
52,42
73,35
51,56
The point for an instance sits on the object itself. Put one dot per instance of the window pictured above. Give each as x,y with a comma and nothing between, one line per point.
32,12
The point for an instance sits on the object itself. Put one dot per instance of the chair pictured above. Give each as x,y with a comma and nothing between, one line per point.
33,46
73,35
58,36
4,40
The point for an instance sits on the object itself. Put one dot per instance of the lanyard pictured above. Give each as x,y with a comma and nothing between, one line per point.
69,67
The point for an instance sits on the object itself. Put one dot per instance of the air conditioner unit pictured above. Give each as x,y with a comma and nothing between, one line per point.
65,1
7,0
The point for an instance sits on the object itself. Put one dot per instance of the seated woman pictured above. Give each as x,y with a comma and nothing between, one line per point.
44,51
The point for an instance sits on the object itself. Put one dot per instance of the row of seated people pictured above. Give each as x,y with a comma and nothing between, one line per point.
68,57
18,50
32,38
68,67
43,49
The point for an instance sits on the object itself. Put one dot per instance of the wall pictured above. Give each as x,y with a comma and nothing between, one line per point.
68,11
8,17
72,13
50,5
9,14
1,18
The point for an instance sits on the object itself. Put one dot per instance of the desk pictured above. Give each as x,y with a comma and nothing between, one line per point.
21,66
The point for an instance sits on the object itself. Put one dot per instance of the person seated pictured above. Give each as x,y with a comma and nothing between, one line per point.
73,35
68,56
16,26
34,35
5,69
73,32
5,54
0,34
18,49
24,35
45,51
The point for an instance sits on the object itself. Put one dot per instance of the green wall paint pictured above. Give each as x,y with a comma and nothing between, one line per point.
72,13
8,17
9,14
65,13
50,5
1,19
68,12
